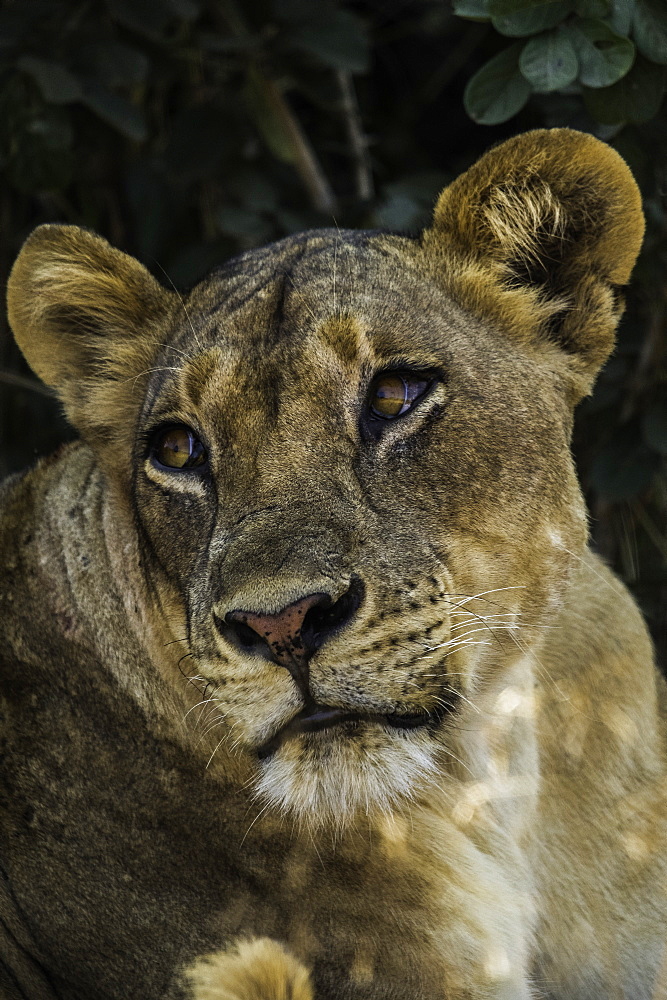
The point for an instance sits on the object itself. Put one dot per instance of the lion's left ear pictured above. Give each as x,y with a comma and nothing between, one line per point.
538,235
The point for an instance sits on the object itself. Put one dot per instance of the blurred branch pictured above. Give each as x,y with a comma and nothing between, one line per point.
302,153
305,161
357,138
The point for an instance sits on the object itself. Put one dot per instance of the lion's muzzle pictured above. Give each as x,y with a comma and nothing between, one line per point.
293,634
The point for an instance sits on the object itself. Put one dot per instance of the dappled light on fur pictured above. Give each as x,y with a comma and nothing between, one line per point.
346,708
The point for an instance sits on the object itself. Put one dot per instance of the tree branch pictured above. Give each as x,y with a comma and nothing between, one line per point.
305,161
356,136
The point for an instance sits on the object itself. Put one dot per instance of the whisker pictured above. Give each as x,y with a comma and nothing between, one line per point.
171,347
460,695
468,614
258,816
463,645
302,298
496,628
216,750
479,617
191,678
164,368
458,760
335,266
483,593
198,705
220,721
596,574
181,300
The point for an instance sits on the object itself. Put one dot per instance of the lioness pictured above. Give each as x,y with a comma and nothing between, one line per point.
310,686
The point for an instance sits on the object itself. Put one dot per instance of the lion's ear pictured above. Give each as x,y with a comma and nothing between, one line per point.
87,318
538,235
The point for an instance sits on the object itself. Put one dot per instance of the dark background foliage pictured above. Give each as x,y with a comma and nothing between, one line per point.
186,130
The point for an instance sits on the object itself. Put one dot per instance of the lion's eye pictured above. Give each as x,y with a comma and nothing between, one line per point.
177,448
392,394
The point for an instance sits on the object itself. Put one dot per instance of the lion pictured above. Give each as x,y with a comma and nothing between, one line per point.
311,688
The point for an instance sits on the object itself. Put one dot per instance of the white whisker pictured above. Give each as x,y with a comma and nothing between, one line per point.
198,705
301,297
181,300
149,371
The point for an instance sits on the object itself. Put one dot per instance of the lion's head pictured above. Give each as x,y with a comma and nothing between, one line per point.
345,456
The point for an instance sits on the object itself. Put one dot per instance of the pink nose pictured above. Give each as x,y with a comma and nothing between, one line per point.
281,632
292,635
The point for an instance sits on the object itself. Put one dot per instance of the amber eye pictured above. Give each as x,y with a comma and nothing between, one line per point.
392,395
177,448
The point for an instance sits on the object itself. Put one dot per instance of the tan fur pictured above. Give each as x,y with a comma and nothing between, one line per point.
73,286
570,212
159,837
251,970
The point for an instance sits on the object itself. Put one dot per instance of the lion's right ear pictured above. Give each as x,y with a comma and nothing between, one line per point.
87,318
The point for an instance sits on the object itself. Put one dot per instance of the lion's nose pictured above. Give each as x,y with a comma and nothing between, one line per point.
290,636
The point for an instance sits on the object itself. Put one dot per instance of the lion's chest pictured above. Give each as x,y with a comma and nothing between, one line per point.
128,862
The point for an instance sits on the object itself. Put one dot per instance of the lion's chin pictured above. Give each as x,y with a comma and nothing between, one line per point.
331,777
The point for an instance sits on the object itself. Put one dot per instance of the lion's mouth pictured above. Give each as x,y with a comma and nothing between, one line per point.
314,718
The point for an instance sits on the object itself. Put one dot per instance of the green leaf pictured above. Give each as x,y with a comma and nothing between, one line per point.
592,8
549,61
339,41
635,99
230,44
150,202
654,426
497,91
14,27
115,111
57,84
620,18
649,28
474,10
604,57
263,112
527,19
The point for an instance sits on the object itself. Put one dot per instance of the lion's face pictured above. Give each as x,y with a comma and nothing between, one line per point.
434,540
347,459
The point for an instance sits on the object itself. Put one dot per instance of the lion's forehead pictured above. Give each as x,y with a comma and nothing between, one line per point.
304,323
275,299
